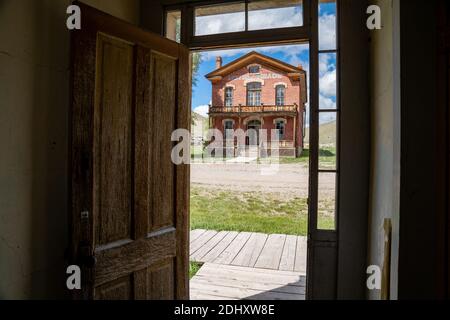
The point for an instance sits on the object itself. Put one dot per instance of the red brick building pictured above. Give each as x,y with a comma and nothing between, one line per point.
260,92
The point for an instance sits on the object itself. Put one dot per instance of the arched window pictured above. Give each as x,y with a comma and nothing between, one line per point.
228,96
279,95
254,94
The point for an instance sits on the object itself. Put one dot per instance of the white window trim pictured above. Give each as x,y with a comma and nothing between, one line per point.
247,81
229,86
225,120
280,120
251,118
279,84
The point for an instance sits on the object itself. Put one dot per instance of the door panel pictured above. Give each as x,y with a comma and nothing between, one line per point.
129,219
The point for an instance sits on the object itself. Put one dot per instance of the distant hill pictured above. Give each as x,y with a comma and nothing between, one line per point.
327,133
199,125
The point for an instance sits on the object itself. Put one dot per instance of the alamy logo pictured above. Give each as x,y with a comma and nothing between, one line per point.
374,20
74,20
374,277
73,281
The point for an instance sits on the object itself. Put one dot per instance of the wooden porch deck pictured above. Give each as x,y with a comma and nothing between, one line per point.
246,265
248,249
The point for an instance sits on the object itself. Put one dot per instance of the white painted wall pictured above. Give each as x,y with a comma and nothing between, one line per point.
34,104
385,146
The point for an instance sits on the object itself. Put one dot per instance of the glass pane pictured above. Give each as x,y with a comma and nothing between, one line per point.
327,81
221,18
173,25
327,25
327,140
326,213
274,14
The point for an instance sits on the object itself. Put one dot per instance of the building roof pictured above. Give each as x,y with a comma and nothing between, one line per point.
295,73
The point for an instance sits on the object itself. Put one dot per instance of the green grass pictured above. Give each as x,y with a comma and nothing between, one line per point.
327,158
193,268
196,151
250,211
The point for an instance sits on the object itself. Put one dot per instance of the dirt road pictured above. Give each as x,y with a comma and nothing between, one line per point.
290,180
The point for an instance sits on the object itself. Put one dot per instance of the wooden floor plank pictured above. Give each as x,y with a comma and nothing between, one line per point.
242,293
288,256
216,281
251,275
208,246
300,255
255,285
227,256
254,270
250,252
271,253
200,241
194,234
220,247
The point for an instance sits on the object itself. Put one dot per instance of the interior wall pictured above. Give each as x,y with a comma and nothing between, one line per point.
34,106
385,140
422,248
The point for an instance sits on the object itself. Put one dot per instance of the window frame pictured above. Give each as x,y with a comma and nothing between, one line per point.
268,36
280,135
257,90
230,89
278,86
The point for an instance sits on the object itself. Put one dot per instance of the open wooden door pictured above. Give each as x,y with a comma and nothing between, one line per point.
129,202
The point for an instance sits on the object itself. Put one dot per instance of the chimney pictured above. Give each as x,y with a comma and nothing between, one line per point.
300,66
218,62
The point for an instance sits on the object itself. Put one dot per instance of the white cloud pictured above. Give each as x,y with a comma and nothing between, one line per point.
202,110
289,51
327,32
257,20
213,24
326,102
274,18
327,83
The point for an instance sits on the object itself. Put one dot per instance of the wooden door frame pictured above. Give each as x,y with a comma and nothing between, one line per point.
348,275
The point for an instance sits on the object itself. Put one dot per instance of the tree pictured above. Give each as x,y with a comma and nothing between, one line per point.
196,61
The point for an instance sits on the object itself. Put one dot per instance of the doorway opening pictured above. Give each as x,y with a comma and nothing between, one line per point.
310,140
249,229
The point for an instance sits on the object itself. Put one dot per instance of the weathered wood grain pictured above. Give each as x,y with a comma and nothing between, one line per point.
250,252
129,203
288,256
271,253
227,256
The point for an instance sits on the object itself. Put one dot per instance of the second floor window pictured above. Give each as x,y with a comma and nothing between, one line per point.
279,95
254,94
228,96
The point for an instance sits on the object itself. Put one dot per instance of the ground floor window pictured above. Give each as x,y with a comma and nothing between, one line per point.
280,126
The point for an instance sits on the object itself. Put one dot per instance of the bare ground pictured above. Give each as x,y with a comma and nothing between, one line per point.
291,180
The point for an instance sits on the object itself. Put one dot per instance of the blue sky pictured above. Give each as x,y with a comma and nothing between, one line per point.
292,54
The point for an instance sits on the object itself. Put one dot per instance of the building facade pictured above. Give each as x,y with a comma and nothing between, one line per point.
259,92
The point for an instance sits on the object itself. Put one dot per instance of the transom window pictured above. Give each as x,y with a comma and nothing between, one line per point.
253,69
280,125
279,95
254,94
228,96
